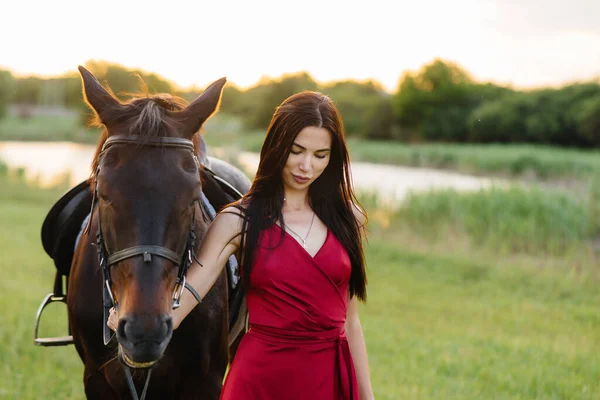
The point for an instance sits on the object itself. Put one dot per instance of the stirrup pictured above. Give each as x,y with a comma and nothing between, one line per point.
55,341
56,296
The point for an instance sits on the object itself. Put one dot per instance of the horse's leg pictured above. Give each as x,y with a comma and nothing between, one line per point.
234,346
96,385
84,301
209,388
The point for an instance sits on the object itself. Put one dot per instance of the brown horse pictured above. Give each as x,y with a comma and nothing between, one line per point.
147,219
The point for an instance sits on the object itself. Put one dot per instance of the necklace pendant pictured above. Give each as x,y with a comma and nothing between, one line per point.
304,244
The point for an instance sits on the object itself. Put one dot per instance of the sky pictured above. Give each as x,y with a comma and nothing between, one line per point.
523,43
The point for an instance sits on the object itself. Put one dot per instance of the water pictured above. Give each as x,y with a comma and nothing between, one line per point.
393,183
48,163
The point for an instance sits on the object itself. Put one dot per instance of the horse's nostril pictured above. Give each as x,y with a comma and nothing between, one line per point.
121,328
169,323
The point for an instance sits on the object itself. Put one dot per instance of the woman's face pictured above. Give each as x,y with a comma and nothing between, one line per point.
308,158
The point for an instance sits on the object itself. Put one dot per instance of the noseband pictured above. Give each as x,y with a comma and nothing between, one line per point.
182,261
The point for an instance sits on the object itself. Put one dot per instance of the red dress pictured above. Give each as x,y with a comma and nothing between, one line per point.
296,348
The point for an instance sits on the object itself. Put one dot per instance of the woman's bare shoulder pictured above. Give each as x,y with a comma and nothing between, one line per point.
226,227
231,215
235,210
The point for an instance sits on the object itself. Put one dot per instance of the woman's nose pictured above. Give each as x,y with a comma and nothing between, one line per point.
305,164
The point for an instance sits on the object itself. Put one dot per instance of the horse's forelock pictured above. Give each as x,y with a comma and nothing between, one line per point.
143,116
149,121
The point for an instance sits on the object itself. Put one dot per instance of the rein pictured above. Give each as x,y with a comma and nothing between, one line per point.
182,261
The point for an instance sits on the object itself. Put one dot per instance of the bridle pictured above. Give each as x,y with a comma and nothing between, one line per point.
182,261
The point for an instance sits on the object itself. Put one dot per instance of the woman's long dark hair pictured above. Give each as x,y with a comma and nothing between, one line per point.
331,196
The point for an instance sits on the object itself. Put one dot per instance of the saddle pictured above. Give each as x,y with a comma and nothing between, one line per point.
67,218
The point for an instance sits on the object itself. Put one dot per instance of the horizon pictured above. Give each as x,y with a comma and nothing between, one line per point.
392,90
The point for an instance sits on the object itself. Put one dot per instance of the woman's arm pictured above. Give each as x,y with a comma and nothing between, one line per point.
221,241
358,349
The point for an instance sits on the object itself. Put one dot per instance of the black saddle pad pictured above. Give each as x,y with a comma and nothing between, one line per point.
63,224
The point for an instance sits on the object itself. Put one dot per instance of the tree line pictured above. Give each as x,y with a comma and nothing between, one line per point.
440,102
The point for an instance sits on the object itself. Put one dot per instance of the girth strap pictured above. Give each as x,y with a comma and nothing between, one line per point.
147,251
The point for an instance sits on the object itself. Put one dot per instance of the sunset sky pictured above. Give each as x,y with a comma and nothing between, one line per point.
525,43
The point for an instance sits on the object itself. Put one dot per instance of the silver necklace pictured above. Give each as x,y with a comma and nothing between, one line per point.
300,237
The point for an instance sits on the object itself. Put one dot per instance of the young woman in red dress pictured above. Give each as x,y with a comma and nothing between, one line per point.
298,233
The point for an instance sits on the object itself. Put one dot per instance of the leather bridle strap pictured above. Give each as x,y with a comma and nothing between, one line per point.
147,251
131,386
149,141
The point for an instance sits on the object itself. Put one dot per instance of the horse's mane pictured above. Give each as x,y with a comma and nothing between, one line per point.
143,115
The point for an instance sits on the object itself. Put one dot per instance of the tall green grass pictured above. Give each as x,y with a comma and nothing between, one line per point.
3,168
517,219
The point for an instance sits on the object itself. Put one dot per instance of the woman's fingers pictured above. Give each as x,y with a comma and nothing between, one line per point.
112,319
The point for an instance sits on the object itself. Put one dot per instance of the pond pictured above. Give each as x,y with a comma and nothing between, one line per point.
47,163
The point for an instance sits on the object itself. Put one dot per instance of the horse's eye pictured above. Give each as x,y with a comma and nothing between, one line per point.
190,164
105,199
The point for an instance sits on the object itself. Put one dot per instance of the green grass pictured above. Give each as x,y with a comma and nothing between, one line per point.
454,327
27,371
514,219
440,322
44,128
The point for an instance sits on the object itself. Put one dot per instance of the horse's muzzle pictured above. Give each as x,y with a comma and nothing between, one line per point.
143,340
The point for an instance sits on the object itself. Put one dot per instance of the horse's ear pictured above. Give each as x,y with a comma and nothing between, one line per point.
194,115
95,95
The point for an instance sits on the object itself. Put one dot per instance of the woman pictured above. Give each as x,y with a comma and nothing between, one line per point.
298,234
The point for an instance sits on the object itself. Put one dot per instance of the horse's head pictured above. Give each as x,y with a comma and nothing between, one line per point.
148,194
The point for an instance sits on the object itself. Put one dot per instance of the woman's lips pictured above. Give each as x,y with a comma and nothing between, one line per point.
300,179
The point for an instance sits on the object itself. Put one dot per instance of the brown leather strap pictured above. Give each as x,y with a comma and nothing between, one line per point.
146,251
149,141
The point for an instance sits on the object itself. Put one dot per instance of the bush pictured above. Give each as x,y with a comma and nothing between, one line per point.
437,101
7,85
568,117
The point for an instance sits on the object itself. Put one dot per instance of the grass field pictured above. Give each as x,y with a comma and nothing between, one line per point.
444,319
44,128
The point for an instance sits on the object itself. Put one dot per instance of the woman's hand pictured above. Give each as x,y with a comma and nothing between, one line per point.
112,319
